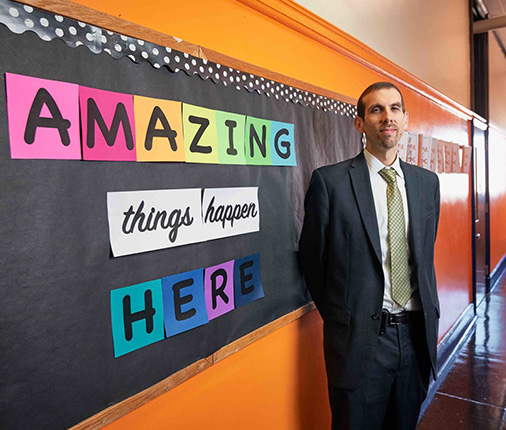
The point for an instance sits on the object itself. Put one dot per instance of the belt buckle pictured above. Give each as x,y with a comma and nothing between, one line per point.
401,318
391,319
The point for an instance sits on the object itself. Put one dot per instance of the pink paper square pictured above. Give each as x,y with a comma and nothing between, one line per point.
111,106
46,100
220,279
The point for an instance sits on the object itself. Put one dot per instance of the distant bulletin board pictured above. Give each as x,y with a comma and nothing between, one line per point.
122,265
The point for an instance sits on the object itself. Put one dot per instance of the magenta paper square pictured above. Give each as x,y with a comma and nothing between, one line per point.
116,142
219,289
51,103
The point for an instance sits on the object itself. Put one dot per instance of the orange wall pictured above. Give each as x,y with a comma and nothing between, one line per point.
275,383
279,382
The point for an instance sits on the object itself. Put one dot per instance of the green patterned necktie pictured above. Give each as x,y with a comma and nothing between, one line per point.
399,267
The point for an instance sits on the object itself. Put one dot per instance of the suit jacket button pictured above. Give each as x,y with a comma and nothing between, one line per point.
375,317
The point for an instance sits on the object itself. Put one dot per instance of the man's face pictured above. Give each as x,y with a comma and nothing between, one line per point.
384,121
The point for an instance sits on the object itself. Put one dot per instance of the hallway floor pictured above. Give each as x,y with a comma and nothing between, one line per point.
473,395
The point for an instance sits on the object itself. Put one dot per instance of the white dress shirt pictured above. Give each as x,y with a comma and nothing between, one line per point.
379,191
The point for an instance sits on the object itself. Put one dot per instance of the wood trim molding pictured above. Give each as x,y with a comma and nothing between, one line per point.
122,408
116,411
287,13
112,23
498,273
121,26
244,341
497,128
301,20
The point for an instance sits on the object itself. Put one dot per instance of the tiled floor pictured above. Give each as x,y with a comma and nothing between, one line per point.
473,395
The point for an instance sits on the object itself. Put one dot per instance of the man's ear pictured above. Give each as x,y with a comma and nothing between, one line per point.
406,120
359,124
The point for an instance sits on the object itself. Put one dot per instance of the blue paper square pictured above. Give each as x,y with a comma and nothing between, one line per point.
183,302
247,282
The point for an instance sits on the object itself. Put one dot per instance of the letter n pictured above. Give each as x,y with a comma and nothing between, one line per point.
258,149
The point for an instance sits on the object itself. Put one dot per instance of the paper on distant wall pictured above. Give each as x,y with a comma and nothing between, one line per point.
412,148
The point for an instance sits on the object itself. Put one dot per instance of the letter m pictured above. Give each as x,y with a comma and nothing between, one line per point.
110,134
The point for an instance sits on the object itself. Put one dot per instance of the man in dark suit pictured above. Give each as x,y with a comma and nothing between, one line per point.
367,255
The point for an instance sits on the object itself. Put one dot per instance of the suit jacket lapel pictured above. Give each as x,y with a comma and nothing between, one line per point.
361,183
413,196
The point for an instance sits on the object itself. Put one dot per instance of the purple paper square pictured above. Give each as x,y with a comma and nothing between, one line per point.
219,289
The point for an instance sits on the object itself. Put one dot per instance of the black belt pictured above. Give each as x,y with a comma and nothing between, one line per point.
398,318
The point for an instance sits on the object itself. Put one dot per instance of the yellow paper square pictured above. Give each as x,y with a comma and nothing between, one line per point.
158,129
201,140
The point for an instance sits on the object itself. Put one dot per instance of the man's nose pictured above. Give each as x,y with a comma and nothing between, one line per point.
387,115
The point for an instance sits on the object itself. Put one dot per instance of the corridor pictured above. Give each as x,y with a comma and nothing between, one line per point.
473,394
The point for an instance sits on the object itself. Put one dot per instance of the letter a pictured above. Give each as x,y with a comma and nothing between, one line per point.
166,131
55,121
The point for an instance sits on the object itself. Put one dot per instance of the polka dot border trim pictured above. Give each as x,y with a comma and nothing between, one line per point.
19,18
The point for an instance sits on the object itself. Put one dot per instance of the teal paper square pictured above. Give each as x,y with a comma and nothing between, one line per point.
144,320
282,144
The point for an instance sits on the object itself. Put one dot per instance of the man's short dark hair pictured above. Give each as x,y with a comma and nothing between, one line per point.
376,87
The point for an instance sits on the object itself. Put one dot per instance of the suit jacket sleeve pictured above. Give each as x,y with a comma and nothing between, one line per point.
313,240
437,209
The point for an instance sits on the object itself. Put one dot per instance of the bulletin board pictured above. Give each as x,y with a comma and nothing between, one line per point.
59,356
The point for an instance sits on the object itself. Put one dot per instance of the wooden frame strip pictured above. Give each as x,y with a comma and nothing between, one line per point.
121,26
286,12
295,17
122,408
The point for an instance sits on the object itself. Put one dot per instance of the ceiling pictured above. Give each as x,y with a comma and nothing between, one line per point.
497,8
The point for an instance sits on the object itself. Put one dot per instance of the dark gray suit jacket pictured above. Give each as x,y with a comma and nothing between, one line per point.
340,258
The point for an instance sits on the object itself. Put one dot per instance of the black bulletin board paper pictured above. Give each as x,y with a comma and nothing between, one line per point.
56,349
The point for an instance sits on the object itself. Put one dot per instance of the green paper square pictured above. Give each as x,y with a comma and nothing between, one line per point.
230,128
257,141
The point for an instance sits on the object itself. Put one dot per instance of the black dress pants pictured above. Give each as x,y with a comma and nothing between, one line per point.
392,391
